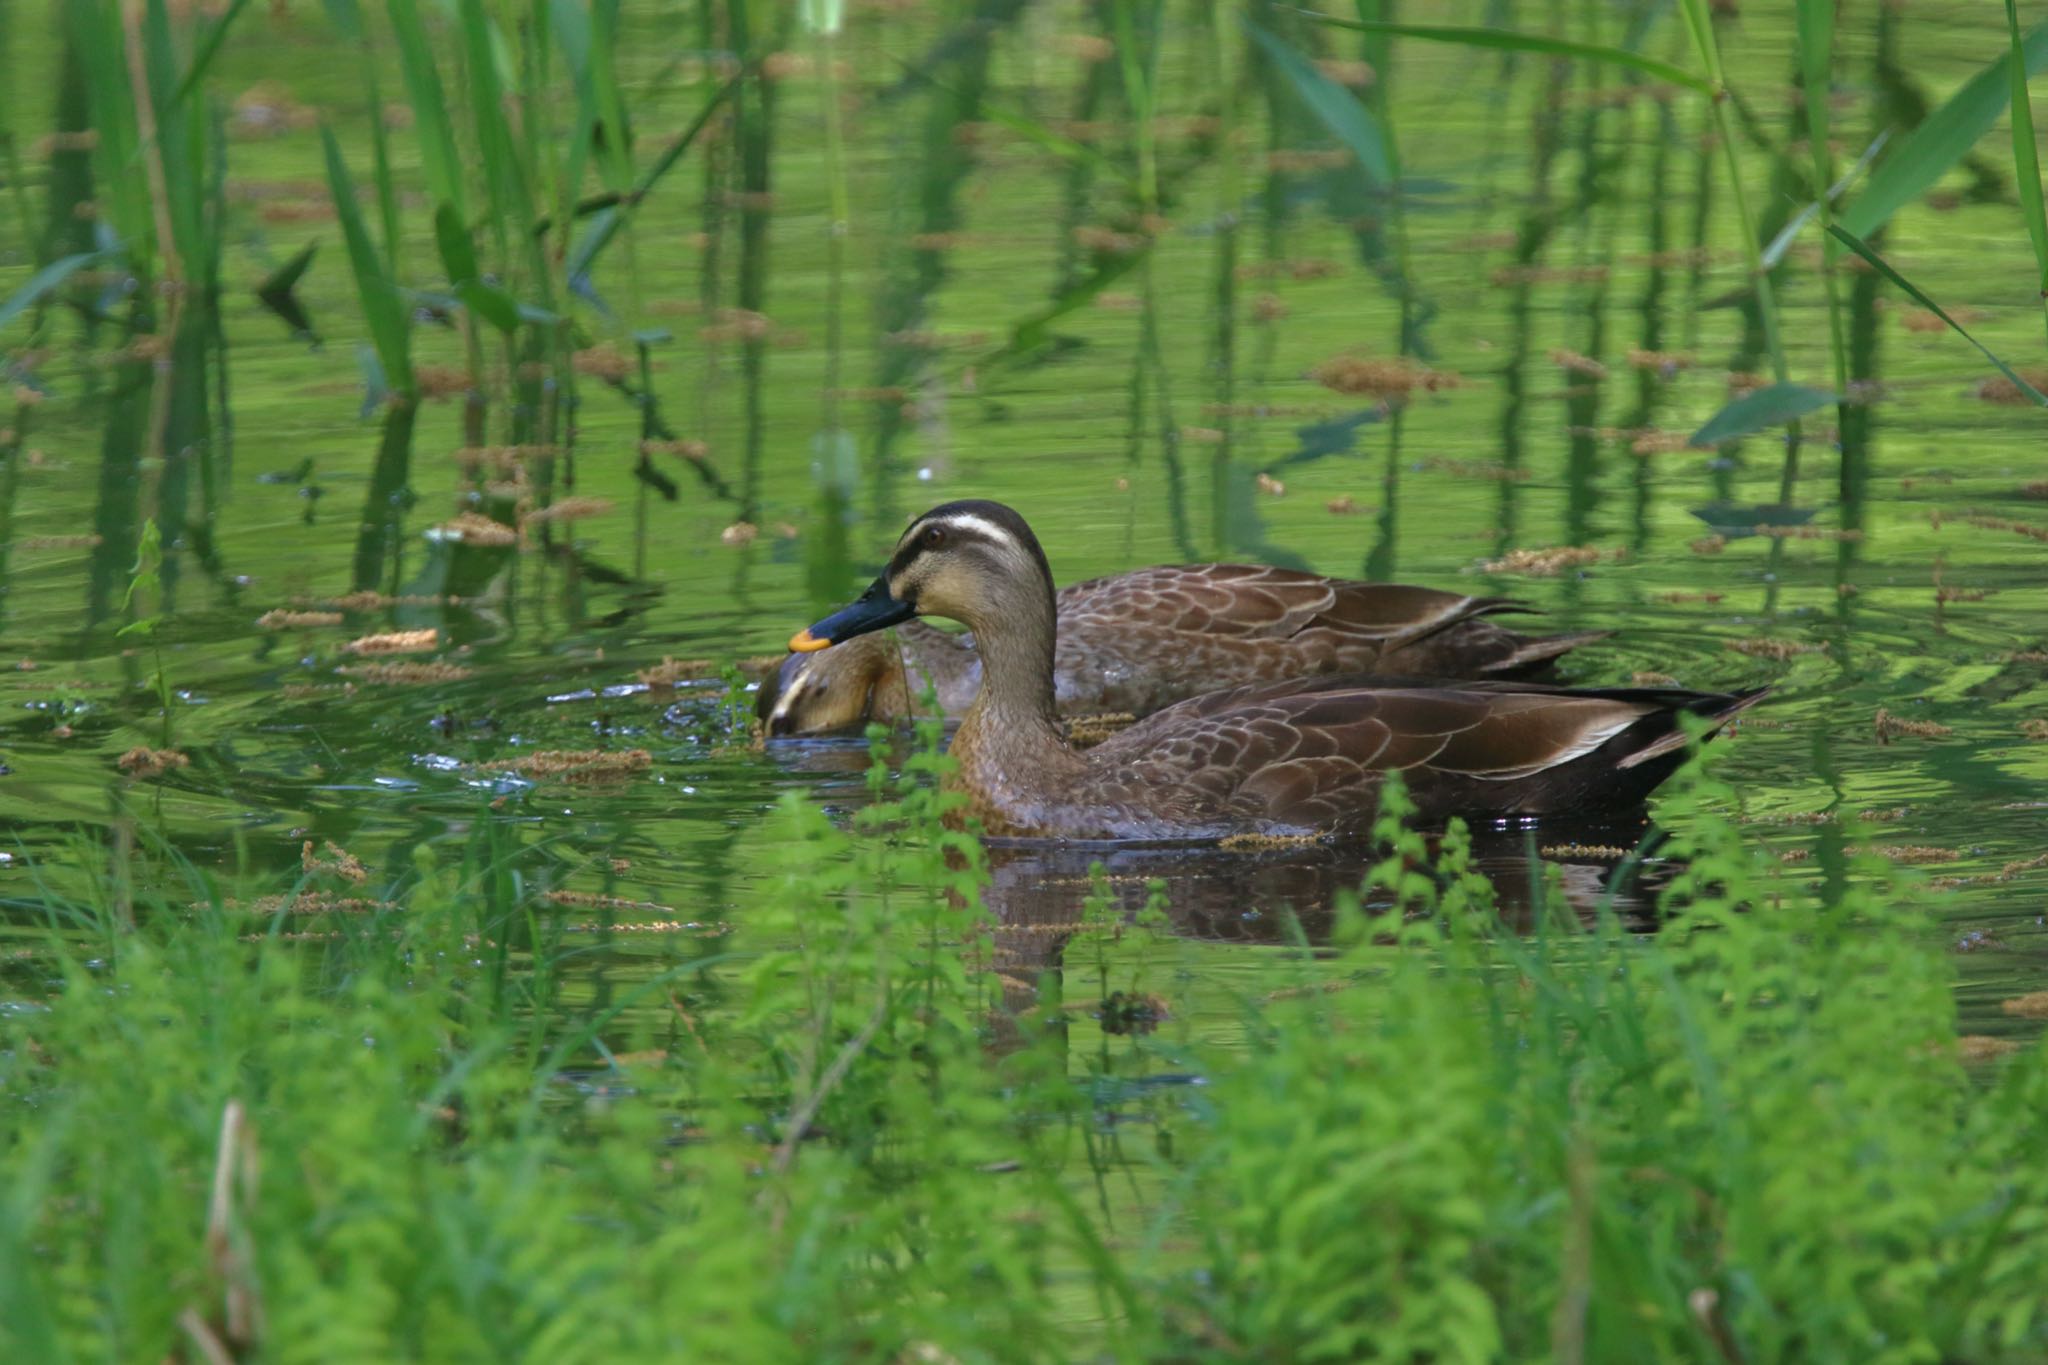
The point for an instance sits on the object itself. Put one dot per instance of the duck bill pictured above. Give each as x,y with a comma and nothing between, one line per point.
875,610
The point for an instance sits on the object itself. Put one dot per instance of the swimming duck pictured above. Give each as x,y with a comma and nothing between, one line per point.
1135,642
1300,756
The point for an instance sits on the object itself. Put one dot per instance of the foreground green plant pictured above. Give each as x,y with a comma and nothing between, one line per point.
824,1136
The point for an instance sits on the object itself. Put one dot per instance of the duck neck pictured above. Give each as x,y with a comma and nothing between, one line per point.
1015,712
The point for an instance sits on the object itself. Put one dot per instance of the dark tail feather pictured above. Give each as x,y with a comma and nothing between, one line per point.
1533,654
1720,708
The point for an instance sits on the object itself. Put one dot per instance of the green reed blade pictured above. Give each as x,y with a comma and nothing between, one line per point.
1336,108
1857,245
1510,41
209,44
1770,406
605,223
44,283
1944,139
438,159
383,311
2026,161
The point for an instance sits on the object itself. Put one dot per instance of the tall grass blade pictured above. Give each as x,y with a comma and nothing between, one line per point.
2026,159
209,45
1508,40
44,283
438,159
383,311
1857,245
1770,406
1944,139
1780,244
605,224
1336,108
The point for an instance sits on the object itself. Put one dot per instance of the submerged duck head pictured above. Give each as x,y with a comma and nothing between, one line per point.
838,689
974,562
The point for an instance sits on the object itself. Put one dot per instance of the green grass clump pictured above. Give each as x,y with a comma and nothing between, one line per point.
825,1137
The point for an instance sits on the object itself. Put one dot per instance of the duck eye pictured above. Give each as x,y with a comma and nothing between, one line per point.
934,537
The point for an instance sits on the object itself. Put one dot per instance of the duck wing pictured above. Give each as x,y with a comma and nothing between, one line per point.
1311,754
1260,602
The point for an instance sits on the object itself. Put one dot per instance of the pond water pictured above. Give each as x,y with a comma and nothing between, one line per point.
1563,259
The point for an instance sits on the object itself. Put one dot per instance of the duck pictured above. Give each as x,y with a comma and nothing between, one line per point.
1133,643
1298,757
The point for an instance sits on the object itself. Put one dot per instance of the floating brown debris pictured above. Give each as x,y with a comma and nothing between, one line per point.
1944,594
1999,389
1549,274
1764,647
1548,563
1301,992
1642,679
669,672
1203,436
1982,1047
440,381
1921,320
307,691
602,361
1890,727
1117,301
504,460
737,324
1085,47
1476,469
280,619
2034,728
926,340
1381,378
56,542
1666,363
474,528
2033,1005
1086,731
1796,855
141,762
2037,490
591,900
1677,599
1343,505
369,600
1710,545
705,929
1851,535
693,451
1584,851
2004,874
1266,843
395,642
570,509
1578,364
1653,442
1269,485
1268,307
1306,268
739,533
2022,528
577,765
1355,74
408,674
1798,817
1109,241
2027,656
1910,853
340,863
308,903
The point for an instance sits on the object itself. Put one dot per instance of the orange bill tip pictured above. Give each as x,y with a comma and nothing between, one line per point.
803,642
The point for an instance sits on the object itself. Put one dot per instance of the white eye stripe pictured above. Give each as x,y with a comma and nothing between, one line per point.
789,695
967,521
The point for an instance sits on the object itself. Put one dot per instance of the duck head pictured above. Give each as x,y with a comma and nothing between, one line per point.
974,562
837,689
